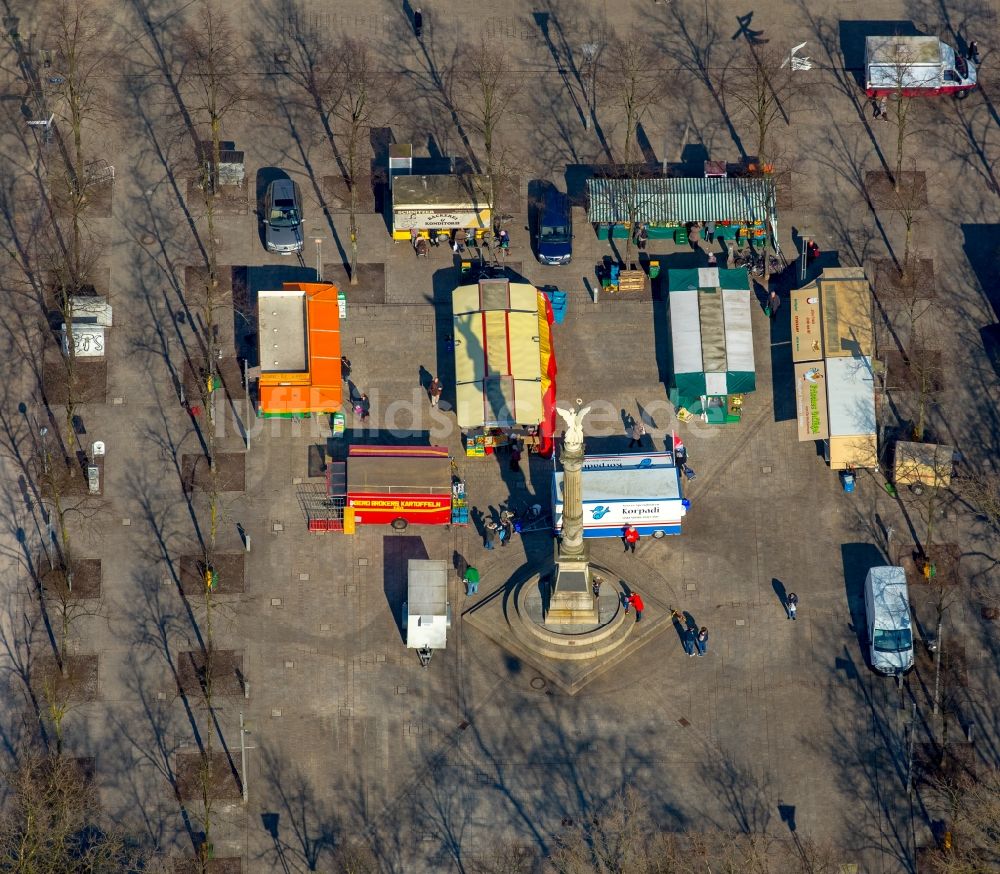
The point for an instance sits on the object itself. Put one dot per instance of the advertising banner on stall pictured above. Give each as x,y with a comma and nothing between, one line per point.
375,509
810,400
629,461
807,337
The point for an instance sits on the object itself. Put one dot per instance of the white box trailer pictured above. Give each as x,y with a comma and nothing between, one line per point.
648,497
915,66
426,610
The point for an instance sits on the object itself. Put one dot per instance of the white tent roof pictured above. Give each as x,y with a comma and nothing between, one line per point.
739,334
685,328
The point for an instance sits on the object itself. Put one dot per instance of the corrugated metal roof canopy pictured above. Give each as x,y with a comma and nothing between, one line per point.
711,199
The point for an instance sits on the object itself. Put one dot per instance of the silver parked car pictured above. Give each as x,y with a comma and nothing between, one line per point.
282,217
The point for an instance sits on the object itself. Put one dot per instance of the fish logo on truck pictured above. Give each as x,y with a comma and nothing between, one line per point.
599,512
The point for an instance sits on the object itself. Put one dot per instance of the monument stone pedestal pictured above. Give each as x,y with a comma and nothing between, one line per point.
572,601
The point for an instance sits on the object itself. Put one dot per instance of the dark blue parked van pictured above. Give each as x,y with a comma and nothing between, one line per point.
555,230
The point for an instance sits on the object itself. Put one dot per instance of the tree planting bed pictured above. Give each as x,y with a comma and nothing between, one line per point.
228,571
80,684
228,678
86,579
944,556
230,472
191,771
90,381
912,192
371,283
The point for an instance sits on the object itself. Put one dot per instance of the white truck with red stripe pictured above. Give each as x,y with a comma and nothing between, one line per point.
915,66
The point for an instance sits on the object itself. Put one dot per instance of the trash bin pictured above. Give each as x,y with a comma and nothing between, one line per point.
847,479
681,236
654,269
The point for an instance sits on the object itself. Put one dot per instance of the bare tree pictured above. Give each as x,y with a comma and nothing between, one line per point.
633,84
354,88
982,491
760,82
901,74
972,806
49,821
213,69
486,87
83,52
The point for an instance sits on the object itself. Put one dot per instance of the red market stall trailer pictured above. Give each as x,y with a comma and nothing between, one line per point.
400,485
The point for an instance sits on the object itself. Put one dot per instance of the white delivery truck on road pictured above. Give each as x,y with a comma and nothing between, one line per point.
641,489
915,65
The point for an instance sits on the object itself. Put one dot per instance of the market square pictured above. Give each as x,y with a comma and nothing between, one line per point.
246,495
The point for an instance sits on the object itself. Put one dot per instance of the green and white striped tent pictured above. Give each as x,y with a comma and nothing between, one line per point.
711,335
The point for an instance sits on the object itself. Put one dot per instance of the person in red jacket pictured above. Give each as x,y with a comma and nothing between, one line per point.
635,601
631,537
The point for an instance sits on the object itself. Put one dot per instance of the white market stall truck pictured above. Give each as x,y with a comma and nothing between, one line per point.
915,66
615,494
426,611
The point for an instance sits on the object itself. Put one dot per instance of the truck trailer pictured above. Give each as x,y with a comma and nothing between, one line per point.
914,66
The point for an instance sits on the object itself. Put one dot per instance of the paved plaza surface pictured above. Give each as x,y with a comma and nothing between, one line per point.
350,741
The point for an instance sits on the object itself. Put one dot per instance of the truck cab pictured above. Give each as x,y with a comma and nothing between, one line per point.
915,66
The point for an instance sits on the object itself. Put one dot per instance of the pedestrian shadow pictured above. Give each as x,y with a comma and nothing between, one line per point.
678,621
460,563
780,592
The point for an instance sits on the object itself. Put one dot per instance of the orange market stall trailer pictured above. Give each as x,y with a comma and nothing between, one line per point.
298,330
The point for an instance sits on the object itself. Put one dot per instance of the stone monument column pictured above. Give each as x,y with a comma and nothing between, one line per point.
572,601
571,545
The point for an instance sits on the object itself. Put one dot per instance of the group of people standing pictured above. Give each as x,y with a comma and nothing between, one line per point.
693,638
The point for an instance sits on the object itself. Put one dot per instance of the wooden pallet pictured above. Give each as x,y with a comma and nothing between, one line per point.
631,280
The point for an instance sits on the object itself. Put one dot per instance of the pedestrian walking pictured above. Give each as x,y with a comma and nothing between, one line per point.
701,641
791,604
687,638
489,529
635,599
883,109
418,23
972,52
504,240
515,458
773,302
876,108
363,407
435,390
642,237
637,430
471,580
631,538
504,527
710,231
596,586
345,368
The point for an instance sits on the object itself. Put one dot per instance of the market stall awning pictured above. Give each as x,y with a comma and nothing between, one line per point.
498,355
711,333
682,200
448,201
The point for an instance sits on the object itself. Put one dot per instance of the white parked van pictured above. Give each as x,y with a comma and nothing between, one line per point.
890,632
